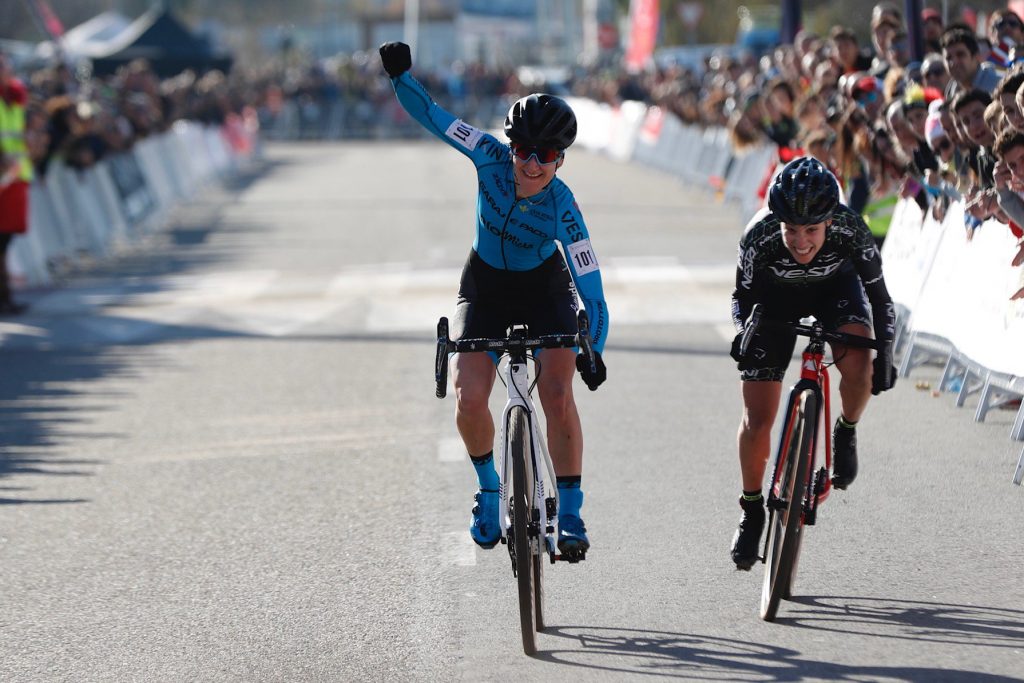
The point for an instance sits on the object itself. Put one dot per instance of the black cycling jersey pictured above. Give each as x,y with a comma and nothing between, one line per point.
767,273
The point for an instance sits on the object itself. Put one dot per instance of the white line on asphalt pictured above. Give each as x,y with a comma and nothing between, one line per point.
451,450
458,548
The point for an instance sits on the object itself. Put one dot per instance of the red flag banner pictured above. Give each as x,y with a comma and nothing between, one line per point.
46,17
643,32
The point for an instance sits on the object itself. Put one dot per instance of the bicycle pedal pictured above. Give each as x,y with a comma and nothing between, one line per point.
572,557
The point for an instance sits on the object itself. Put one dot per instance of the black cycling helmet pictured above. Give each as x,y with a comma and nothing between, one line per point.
804,193
541,120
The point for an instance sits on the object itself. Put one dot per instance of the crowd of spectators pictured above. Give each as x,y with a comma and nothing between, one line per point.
947,127
79,121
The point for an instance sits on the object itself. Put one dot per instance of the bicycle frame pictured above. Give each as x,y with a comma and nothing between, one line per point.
544,496
517,347
813,376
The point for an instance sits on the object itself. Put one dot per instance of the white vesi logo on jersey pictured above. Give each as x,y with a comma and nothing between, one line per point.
809,365
464,134
583,257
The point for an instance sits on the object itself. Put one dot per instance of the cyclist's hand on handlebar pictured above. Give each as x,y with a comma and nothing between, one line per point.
734,351
883,376
592,379
396,58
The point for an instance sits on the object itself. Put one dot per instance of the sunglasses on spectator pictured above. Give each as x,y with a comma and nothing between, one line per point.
867,97
1007,23
544,155
934,73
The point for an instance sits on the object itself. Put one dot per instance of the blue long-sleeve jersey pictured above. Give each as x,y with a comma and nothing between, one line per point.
515,234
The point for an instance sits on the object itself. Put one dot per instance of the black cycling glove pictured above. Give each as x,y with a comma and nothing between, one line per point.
591,379
396,58
883,375
734,350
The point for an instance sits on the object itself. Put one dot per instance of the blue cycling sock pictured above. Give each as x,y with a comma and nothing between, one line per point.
570,496
486,475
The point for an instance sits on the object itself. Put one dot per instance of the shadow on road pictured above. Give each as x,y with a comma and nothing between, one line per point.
910,620
696,657
42,381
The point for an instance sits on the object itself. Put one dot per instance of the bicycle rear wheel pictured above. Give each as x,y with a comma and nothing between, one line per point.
522,494
785,525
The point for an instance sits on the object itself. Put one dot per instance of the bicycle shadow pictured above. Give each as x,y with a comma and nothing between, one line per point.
909,620
691,656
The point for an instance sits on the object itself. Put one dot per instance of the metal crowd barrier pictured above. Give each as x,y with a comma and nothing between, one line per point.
77,217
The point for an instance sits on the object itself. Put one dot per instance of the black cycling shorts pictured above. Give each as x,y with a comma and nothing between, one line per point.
834,303
492,299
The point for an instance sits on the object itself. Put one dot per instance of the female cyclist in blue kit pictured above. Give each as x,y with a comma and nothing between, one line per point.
516,274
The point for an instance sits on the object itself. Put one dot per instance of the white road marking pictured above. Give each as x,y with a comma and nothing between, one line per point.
459,548
451,450
390,298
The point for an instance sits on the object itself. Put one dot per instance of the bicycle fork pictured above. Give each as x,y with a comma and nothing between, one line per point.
543,507
818,483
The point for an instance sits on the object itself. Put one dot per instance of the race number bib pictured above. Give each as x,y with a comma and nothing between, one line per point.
582,256
464,134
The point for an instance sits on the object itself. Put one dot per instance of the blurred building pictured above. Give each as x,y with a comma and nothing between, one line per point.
493,32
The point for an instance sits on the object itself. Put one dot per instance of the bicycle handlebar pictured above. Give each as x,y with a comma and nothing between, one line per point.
515,342
815,332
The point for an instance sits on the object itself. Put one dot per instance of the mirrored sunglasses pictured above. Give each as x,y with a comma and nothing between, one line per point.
545,155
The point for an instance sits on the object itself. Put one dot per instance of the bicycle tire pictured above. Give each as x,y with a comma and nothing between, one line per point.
538,586
785,526
522,489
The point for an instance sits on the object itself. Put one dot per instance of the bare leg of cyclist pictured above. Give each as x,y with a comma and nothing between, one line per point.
473,376
760,403
855,368
854,389
565,433
565,443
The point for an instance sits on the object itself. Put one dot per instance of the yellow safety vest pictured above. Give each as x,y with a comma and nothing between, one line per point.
12,137
878,214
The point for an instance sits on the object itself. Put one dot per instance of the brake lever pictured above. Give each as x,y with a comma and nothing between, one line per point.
584,341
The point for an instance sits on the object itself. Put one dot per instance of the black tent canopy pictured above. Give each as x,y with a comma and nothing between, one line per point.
168,45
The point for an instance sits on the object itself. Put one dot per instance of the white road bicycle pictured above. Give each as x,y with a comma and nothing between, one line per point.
528,494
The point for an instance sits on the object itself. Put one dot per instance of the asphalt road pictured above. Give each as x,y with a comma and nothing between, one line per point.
222,460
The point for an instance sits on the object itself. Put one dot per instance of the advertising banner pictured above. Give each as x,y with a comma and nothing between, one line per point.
643,33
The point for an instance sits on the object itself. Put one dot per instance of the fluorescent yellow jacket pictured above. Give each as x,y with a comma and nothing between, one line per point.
12,128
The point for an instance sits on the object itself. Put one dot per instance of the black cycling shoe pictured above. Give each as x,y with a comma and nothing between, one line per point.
844,455
747,540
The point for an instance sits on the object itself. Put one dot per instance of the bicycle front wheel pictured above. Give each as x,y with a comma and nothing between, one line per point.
785,525
522,495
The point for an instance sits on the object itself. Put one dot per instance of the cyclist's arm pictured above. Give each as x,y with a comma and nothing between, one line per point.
583,266
472,142
745,294
868,263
